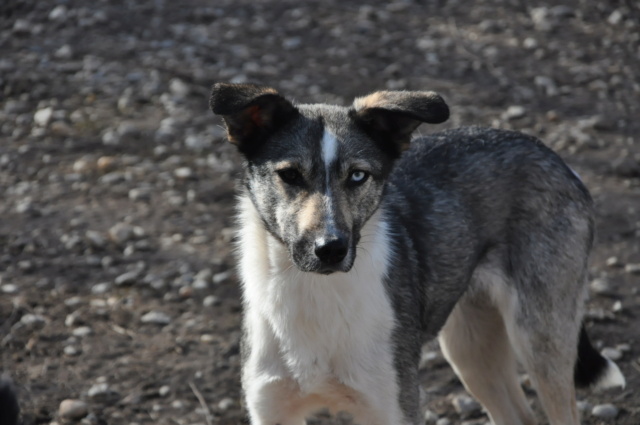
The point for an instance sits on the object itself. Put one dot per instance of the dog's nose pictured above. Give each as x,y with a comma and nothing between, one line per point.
331,250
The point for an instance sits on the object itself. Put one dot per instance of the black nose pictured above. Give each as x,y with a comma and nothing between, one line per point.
331,250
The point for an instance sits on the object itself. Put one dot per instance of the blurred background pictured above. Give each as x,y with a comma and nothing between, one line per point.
117,283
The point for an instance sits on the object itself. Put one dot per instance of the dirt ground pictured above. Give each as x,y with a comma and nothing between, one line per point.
117,283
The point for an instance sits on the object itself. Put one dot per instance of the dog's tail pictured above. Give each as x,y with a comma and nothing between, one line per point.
593,369
9,409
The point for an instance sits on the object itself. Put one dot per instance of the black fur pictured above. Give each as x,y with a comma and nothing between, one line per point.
590,365
9,408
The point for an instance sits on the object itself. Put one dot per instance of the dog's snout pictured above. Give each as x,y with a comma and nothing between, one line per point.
331,250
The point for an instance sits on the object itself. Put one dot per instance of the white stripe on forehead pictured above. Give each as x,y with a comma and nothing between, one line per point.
329,148
329,156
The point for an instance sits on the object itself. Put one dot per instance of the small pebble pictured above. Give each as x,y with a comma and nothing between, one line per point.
632,268
121,233
465,406
605,411
42,117
225,404
10,288
183,173
611,353
614,262
514,112
210,301
430,417
601,286
156,318
82,331
164,391
128,278
73,409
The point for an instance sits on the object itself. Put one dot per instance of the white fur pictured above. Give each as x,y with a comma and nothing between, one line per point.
316,341
329,156
612,378
329,149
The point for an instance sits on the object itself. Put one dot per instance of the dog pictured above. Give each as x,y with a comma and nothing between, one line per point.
357,244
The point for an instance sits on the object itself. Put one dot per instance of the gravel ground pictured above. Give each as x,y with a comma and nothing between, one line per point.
117,289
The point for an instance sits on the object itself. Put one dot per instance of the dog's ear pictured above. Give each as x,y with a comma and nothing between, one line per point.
391,116
251,113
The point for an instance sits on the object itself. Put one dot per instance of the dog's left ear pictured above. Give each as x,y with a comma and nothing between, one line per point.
391,116
251,113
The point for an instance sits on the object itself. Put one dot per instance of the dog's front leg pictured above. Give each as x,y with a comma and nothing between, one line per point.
274,401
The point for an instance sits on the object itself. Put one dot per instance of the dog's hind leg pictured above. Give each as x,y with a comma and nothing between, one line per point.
474,341
549,356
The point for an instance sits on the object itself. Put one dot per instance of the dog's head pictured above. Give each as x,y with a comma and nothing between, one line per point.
316,173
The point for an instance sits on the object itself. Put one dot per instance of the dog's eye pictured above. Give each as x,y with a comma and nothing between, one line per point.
291,176
358,177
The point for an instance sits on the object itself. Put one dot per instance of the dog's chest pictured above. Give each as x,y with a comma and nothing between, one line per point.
328,327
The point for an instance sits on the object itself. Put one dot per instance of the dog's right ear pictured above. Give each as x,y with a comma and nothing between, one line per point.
251,113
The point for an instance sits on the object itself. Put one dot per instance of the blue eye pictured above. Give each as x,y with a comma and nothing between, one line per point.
358,177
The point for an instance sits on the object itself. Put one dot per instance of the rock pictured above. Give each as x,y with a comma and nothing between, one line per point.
542,19
429,358
71,351
179,88
605,411
611,353
218,278
106,164
225,404
101,288
430,417
614,262
617,307
101,392
121,233
465,406
583,405
73,409
443,421
183,173
43,116
128,278
82,331
33,320
96,239
292,43
210,301
632,268
156,318
9,288
140,194
64,52
111,137
59,13
615,18
601,286
164,391
514,112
